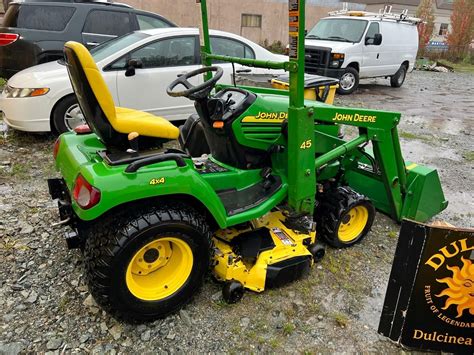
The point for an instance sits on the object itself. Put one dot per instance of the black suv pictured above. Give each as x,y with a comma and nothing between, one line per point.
34,31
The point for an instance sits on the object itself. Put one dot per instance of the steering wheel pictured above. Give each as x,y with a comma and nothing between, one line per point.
195,92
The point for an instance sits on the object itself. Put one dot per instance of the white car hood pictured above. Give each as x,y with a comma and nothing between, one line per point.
39,75
335,45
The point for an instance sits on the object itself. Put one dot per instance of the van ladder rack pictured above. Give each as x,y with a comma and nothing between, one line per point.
385,13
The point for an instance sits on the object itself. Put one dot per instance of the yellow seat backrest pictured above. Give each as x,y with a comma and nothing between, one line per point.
95,79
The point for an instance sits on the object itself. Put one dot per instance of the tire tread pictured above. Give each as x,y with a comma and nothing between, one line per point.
332,206
110,236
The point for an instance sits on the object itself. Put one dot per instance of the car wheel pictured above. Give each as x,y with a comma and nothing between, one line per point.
397,80
67,115
349,81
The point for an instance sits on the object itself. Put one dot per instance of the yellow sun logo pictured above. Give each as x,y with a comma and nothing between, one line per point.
460,289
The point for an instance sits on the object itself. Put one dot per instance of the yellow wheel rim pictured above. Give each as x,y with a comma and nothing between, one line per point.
353,223
159,269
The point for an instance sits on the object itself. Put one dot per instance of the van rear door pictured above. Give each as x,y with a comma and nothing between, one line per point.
400,45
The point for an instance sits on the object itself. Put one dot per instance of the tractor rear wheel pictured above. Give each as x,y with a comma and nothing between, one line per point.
149,264
343,217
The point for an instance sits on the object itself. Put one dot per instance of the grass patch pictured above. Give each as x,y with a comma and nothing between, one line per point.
341,319
469,156
332,264
461,67
393,234
288,328
20,170
3,81
274,343
63,302
408,135
9,244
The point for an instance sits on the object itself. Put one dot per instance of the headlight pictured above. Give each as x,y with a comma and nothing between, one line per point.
11,92
336,60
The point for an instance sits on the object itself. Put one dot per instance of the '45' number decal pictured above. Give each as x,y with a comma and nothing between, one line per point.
157,181
306,144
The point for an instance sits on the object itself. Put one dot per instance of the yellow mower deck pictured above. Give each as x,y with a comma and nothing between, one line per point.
278,254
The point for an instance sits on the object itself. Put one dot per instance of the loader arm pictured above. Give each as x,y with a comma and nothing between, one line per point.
396,188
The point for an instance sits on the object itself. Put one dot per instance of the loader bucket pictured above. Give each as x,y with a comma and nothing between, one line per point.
424,196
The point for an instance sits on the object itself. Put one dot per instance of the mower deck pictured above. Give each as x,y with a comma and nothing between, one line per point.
265,254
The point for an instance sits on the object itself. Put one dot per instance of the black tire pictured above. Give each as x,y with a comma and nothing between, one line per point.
398,78
111,254
64,107
348,82
336,208
317,251
232,292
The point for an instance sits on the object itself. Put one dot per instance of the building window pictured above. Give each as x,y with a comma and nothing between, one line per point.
443,29
249,20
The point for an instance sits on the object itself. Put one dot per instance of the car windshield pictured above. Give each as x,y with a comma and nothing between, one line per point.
114,45
342,30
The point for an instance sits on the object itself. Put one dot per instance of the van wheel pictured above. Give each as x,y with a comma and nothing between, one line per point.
397,80
349,81
67,115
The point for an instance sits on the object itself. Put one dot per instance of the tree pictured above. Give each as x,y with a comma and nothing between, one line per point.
425,12
462,28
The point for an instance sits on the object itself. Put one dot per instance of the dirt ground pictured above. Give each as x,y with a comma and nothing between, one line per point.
46,306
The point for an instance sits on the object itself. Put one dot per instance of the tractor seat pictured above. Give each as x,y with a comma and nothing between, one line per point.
112,124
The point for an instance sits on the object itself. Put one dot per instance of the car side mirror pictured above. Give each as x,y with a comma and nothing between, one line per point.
133,64
375,41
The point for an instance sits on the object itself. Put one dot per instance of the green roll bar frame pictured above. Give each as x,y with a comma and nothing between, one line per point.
301,168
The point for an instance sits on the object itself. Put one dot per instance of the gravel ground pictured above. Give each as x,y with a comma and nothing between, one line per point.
46,306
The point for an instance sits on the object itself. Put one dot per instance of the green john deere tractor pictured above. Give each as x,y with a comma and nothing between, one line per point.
152,221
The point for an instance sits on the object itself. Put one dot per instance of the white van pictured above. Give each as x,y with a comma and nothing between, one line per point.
351,45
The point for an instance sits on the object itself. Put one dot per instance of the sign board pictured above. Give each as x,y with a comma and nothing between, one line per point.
293,29
429,304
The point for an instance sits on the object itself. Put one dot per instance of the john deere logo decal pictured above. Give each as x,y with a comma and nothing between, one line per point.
429,303
266,117
460,290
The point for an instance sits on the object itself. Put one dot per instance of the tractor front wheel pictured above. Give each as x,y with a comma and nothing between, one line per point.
150,264
343,217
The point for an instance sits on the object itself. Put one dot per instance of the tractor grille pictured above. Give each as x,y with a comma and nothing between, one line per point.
316,58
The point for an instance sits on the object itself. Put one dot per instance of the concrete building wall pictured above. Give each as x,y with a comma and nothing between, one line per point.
226,15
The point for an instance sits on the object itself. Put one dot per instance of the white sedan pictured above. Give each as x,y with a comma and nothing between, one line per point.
137,69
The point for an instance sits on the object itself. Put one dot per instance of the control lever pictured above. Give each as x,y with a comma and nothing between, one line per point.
266,174
229,102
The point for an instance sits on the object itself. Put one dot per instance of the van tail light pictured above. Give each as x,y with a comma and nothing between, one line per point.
86,195
56,147
8,38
